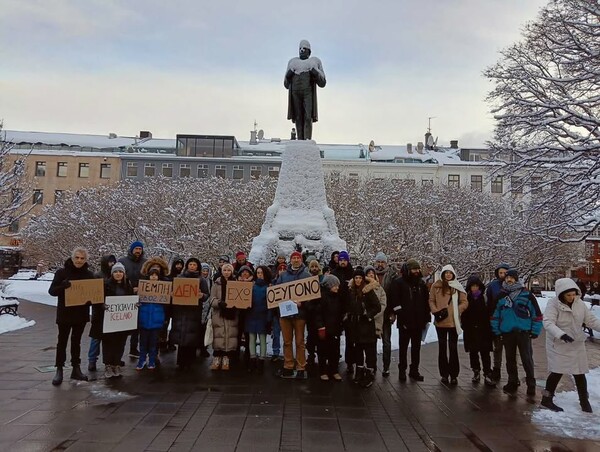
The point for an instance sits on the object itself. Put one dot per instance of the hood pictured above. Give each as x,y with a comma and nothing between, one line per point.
474,279
104,260
448,268
565,284
155,261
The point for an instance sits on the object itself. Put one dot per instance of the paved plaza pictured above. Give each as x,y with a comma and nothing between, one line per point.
166,410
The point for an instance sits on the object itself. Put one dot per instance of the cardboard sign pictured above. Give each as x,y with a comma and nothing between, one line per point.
84,290
239,294
121,314
186,291
154,291
302,290
287,309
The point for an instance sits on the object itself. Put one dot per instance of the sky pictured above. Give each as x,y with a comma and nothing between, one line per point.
216,67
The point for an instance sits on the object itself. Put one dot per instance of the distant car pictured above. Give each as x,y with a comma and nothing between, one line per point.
24,275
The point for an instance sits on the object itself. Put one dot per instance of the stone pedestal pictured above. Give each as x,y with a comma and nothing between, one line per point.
299,214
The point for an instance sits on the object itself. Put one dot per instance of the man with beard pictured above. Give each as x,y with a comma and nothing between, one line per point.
410,302
133,263
386,275
492,295
344,272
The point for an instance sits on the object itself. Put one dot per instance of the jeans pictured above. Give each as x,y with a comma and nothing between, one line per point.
64,331
148,345
94,351
293,329
276,336
386,338
412,336
513,341
448,341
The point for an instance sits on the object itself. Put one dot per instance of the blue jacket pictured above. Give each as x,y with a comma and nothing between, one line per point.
294,275
151,316
257,316
522,315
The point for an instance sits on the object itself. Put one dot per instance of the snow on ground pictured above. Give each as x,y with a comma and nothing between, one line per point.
33,290
573,422
11,323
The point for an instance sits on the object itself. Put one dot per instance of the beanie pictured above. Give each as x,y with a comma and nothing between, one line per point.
135,245
205,265
296,254
224,258
240,254
413,264
245,268
369,268
118,267
359,272
344,256
513,272
330,281
380,256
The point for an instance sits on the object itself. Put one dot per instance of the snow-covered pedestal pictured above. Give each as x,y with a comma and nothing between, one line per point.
299,214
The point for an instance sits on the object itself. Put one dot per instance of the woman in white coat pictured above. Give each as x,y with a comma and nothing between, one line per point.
565,341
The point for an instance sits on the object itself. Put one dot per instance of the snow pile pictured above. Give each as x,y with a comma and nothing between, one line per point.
298,65
299,214
11,323
573,422
36,291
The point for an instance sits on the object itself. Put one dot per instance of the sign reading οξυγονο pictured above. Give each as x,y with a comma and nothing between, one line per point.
305,289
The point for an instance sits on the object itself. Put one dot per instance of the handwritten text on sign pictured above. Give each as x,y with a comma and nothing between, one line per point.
84,290
186,291
154,291
239,294
121,314
302,290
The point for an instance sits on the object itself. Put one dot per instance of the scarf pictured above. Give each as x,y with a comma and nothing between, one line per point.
458,288
513,292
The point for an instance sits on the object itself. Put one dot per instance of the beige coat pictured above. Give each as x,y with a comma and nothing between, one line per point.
439,301
381,296
559,319
225,331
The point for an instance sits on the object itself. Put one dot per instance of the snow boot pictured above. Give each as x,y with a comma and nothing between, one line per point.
548,402
584,402
76,373
58,377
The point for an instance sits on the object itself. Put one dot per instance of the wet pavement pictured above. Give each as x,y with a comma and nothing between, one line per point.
166,410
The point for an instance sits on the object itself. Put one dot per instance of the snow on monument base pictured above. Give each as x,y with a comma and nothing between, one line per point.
299,214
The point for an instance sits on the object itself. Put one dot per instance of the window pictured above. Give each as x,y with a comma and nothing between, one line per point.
426,181
14,226
58,194
131,169
84,170
589,268
220,171
105,171
148,169
61,169
273,171
202,170
477,183
255,172
589,249
497,184
38,196
184,170
167,169
453,180
40,169
474,157
515,184
238,172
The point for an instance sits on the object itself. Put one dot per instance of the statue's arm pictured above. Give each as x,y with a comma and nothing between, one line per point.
319,74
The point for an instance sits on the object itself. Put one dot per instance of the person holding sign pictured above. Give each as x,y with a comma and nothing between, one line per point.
224,320
294,325
113,344
257,318
71,320
151,316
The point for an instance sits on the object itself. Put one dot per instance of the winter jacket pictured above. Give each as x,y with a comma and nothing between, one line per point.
361,309
329,312
475,321
104,272
409,300
133,267
439,300
72,315
258,315
225,321
151,316
493,290
291,275
381,296
111,289
386,279
520,314
559,319
187,320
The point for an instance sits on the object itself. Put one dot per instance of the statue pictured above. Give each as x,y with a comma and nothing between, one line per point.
303,75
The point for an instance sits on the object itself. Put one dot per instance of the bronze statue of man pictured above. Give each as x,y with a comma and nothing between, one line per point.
303,75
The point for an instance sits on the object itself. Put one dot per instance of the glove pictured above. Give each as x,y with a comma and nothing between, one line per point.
322,333
567,339
66,284
533,336
222,305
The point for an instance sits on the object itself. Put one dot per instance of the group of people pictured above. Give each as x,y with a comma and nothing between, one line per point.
362,303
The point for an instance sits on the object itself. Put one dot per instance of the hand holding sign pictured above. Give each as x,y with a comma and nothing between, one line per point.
239,294
301,290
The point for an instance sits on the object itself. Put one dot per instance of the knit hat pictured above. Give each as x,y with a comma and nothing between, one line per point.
224,258
245,268
296,254
240,254
369,268
118,267
513,272
330,281
205,265
359,272
281,254
380,256
344,256
136,244
413,264
227,265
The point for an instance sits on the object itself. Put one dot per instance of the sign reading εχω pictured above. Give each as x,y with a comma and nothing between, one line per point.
121,314
301,290
154,291
239,294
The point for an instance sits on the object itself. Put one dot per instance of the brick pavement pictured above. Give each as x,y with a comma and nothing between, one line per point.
169,411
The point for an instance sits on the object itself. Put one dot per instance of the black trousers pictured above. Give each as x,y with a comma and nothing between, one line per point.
518,340
368,351
186,355
413,337
303,101
328,351
580,383
486,361
64,331
113,346
448,362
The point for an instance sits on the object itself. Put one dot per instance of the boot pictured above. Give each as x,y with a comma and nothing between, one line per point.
225,363
58,377
359,374
496,374
489,381
76,373
584,402
368,378
476,376
548,402
216,364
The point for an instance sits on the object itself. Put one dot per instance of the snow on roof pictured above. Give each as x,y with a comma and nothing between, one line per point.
69,139
157,143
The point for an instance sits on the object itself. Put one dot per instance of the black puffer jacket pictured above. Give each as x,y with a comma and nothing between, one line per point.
111,289
329,312
475,320
361,310
187,320
409,300
71,315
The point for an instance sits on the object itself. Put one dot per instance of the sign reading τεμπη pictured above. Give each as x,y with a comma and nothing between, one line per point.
301,290
154,291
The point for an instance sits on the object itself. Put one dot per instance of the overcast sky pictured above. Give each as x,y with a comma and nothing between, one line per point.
214,67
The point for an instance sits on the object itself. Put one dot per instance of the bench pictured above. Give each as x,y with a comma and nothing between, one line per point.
9,305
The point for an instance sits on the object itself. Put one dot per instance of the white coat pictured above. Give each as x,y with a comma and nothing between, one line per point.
559,319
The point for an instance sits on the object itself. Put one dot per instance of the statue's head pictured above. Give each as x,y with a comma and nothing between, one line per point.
304,49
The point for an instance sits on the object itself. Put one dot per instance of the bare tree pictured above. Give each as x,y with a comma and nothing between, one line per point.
546,102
